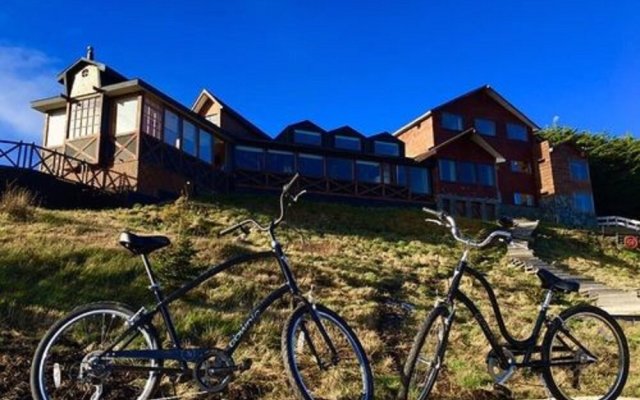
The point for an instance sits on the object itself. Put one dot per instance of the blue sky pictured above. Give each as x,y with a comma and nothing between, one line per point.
373,64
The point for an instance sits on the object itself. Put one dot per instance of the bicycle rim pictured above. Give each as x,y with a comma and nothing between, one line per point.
63,371
345,380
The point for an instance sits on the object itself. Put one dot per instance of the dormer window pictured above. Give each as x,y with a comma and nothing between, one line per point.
307,137
386,148
452,122
347,143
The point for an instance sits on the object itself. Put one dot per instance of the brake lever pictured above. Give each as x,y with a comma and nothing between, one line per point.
295,198
435,221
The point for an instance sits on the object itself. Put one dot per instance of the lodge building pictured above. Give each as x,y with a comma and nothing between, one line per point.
476,155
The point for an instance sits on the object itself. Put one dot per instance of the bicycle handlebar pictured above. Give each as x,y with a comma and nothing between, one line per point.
444,219
284,195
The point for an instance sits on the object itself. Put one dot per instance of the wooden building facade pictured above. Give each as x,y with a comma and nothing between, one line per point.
470,155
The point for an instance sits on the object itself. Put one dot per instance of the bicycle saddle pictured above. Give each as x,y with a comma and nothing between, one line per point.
139,245
553,282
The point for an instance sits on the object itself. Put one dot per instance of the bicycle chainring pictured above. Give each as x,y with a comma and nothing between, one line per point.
214,371
499,374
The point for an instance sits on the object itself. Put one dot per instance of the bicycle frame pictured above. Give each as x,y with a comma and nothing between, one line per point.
527,347
143,318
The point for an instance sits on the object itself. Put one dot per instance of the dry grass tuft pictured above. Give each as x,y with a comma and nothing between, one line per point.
18,203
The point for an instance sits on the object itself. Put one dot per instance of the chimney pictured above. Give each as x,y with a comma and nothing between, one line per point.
90,53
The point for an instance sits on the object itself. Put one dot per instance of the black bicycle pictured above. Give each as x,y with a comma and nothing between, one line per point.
109,351
584,353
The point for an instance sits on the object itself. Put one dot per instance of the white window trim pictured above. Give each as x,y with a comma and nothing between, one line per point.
310,156
250,149
280,152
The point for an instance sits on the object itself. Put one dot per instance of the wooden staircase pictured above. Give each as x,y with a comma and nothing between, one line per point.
619,303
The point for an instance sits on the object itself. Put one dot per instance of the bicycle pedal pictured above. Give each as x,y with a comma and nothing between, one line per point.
502,392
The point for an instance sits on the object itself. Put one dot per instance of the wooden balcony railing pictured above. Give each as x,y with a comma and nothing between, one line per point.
29,156
381,191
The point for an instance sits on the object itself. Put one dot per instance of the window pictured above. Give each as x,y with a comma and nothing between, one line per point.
368,172
419,180
189,135
447,170
401,175
280,162
466,172
523,199
307,137
485,126
583,202
347,143
171,126
486,175
386,173
249,158
205,147
451,121
56,128
86,118
152,119
516,132
311,165
340,169
386,148
126,115
579,170
521,166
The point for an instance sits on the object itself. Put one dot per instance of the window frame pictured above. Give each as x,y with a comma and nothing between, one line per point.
249,149
443,118
510,125
328,168
183,141
60,116
383,143
492,122
347,139
306,133
178,133
583,163
359,163
267,166
454,170
588,195
311,157
136,121
212,142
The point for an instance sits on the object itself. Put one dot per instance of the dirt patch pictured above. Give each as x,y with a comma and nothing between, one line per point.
16,351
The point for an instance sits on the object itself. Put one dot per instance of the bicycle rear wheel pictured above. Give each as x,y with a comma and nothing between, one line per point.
312,369
66,364
586,356
426,356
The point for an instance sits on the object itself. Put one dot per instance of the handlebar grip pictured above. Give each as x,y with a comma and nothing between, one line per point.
293,180
230,229
438,214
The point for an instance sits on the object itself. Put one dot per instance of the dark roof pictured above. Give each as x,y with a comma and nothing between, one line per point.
109,74
346,131
484,88
304,125
386,136
472,135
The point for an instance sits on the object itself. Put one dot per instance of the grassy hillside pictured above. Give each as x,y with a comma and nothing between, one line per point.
363,262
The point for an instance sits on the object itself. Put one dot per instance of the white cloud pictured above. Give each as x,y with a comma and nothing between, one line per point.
25,75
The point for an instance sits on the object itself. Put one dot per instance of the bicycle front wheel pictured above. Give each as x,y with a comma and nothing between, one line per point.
426,356
67,363
331,366
585,356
